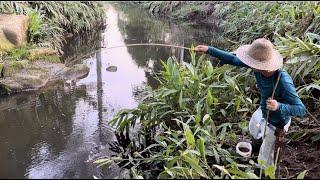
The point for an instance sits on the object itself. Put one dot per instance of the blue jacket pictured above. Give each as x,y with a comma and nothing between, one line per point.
286,95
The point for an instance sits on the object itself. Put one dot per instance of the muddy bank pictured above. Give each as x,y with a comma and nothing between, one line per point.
39,74
297,157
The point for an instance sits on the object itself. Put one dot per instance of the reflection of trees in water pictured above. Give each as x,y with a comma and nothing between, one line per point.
137,26
80,45
38,122
99,93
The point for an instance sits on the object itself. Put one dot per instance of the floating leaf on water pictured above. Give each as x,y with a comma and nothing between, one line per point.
112,68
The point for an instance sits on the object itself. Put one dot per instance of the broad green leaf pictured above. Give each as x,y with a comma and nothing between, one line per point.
135,174
201,147
251,175
209,68
223,112
190,67
270,171
213,129
168,92
222,134
189,136
172,162
200,60
105,163
198,110
222,169
181,104
197,119
194,164
99,161
315,138
302,174
209,98
216,155
205,118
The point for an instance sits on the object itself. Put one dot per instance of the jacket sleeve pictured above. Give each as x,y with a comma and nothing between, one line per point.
295,107
226,57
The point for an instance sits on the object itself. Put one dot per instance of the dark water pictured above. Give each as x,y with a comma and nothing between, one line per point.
53,133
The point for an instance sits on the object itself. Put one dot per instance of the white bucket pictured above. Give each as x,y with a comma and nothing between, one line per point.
245,145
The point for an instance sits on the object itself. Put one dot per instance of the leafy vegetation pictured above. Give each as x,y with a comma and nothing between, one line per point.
182,132
187,127
49,21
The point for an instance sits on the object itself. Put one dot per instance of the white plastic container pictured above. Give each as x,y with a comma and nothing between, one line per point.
245,155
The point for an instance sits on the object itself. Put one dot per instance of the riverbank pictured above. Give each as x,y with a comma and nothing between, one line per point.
32,48
236,19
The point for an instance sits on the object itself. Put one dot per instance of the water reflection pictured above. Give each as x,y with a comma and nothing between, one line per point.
35,130
136,26
81,45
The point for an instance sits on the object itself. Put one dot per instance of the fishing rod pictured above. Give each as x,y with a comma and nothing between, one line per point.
126,45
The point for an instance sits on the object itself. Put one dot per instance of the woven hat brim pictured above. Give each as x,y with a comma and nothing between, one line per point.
272,64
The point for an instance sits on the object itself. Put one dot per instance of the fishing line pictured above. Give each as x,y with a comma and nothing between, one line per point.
126,45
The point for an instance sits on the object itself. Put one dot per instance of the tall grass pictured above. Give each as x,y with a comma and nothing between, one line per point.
247,21
49,21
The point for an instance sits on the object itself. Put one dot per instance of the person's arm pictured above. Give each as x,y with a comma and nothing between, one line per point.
295,107
225,57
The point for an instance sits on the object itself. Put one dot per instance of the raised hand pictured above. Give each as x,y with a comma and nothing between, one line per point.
272,104
201,49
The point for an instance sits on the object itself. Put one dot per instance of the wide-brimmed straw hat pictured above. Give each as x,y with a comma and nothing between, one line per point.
261,55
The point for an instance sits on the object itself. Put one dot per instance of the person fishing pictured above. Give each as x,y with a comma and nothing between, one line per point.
271,80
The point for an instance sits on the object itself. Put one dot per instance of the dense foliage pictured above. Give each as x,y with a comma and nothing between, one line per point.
188,127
